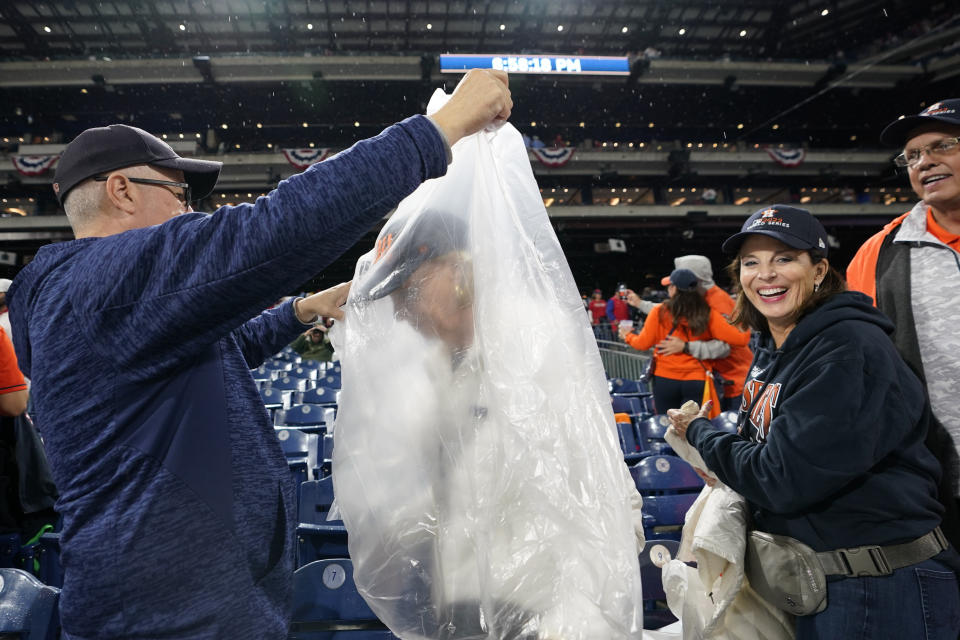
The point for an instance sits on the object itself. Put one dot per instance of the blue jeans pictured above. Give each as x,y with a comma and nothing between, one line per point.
919,602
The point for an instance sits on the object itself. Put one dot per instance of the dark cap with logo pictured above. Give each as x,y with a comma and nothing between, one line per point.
945,111
102,149
406,242
792,226
682,279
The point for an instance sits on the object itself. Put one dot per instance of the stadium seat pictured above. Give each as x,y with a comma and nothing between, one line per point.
9,547
327,606
625,387
318,395
50,571
330,380
307,373
300,448
326,455
263,373
288,355
665,474
28,608
655,554
304,415
317,537
652,431
726,421
289,384
275,364
669,485
627,435
627,404
274,399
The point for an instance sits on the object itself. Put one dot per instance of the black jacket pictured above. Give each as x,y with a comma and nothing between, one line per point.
833,450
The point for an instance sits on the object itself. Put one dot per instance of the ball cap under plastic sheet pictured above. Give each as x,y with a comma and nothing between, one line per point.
408,241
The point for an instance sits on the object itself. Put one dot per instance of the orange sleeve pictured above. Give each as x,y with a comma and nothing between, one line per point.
862,270
723,330
10,377
649,335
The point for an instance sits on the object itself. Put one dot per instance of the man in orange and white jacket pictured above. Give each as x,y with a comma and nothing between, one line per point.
911,268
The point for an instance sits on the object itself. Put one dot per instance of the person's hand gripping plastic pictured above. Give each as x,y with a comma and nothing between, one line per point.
481,98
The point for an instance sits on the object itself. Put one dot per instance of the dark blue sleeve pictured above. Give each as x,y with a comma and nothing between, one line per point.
834,423
612,318
150,297
266,334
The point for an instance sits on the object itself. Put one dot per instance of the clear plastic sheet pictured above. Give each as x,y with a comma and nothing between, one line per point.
476,467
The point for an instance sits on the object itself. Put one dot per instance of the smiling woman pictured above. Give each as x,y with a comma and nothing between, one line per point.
830,446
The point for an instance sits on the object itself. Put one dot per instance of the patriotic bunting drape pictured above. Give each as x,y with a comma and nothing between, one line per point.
34,165
787,157
303,158
553,156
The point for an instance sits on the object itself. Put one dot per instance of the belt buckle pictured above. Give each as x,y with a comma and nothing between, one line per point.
865,561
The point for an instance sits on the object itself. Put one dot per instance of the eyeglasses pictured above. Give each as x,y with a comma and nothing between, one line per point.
913,157
182,196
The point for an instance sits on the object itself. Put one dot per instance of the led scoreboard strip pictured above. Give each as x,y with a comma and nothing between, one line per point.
563,65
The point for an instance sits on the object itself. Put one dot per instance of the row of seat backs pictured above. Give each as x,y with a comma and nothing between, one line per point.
325,597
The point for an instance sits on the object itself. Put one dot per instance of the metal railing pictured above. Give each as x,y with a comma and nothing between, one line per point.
623,361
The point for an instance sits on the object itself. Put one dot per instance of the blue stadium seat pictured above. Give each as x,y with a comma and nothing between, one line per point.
655,554
28,608
307,373
326,455
317,537
9,548
652,431
289,384
627,435
330,380
263,373
627,404
669,485
318,395
275,364
288,355
327,606
726,421
300,448
625,387
275,398
665,474
304,415
50,570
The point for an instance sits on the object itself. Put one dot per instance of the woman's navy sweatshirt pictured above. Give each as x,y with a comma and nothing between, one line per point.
831,450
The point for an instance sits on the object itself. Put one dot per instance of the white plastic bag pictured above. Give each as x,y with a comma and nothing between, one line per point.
476,467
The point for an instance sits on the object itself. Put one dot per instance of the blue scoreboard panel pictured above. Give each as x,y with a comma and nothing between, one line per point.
562,65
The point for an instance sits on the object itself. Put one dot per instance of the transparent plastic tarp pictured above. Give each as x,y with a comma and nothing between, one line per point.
476,466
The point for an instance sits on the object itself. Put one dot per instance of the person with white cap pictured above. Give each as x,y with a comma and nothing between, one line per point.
178,509
911,269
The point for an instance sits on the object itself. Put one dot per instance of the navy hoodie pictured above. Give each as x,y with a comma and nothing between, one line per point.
832,451
178,507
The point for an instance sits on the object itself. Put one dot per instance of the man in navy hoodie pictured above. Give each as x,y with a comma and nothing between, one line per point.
178,509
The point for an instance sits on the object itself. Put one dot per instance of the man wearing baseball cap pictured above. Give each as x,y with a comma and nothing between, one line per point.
911,268
178,509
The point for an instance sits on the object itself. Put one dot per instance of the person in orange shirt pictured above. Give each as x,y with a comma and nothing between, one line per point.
679,377
735,366
911,269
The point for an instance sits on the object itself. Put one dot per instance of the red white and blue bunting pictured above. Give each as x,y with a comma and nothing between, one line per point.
303,158
553,156
787,157
34,165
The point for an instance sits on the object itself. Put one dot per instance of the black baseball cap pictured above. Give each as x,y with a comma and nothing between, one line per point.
682,279
406,242
103,149
946,111
792,226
